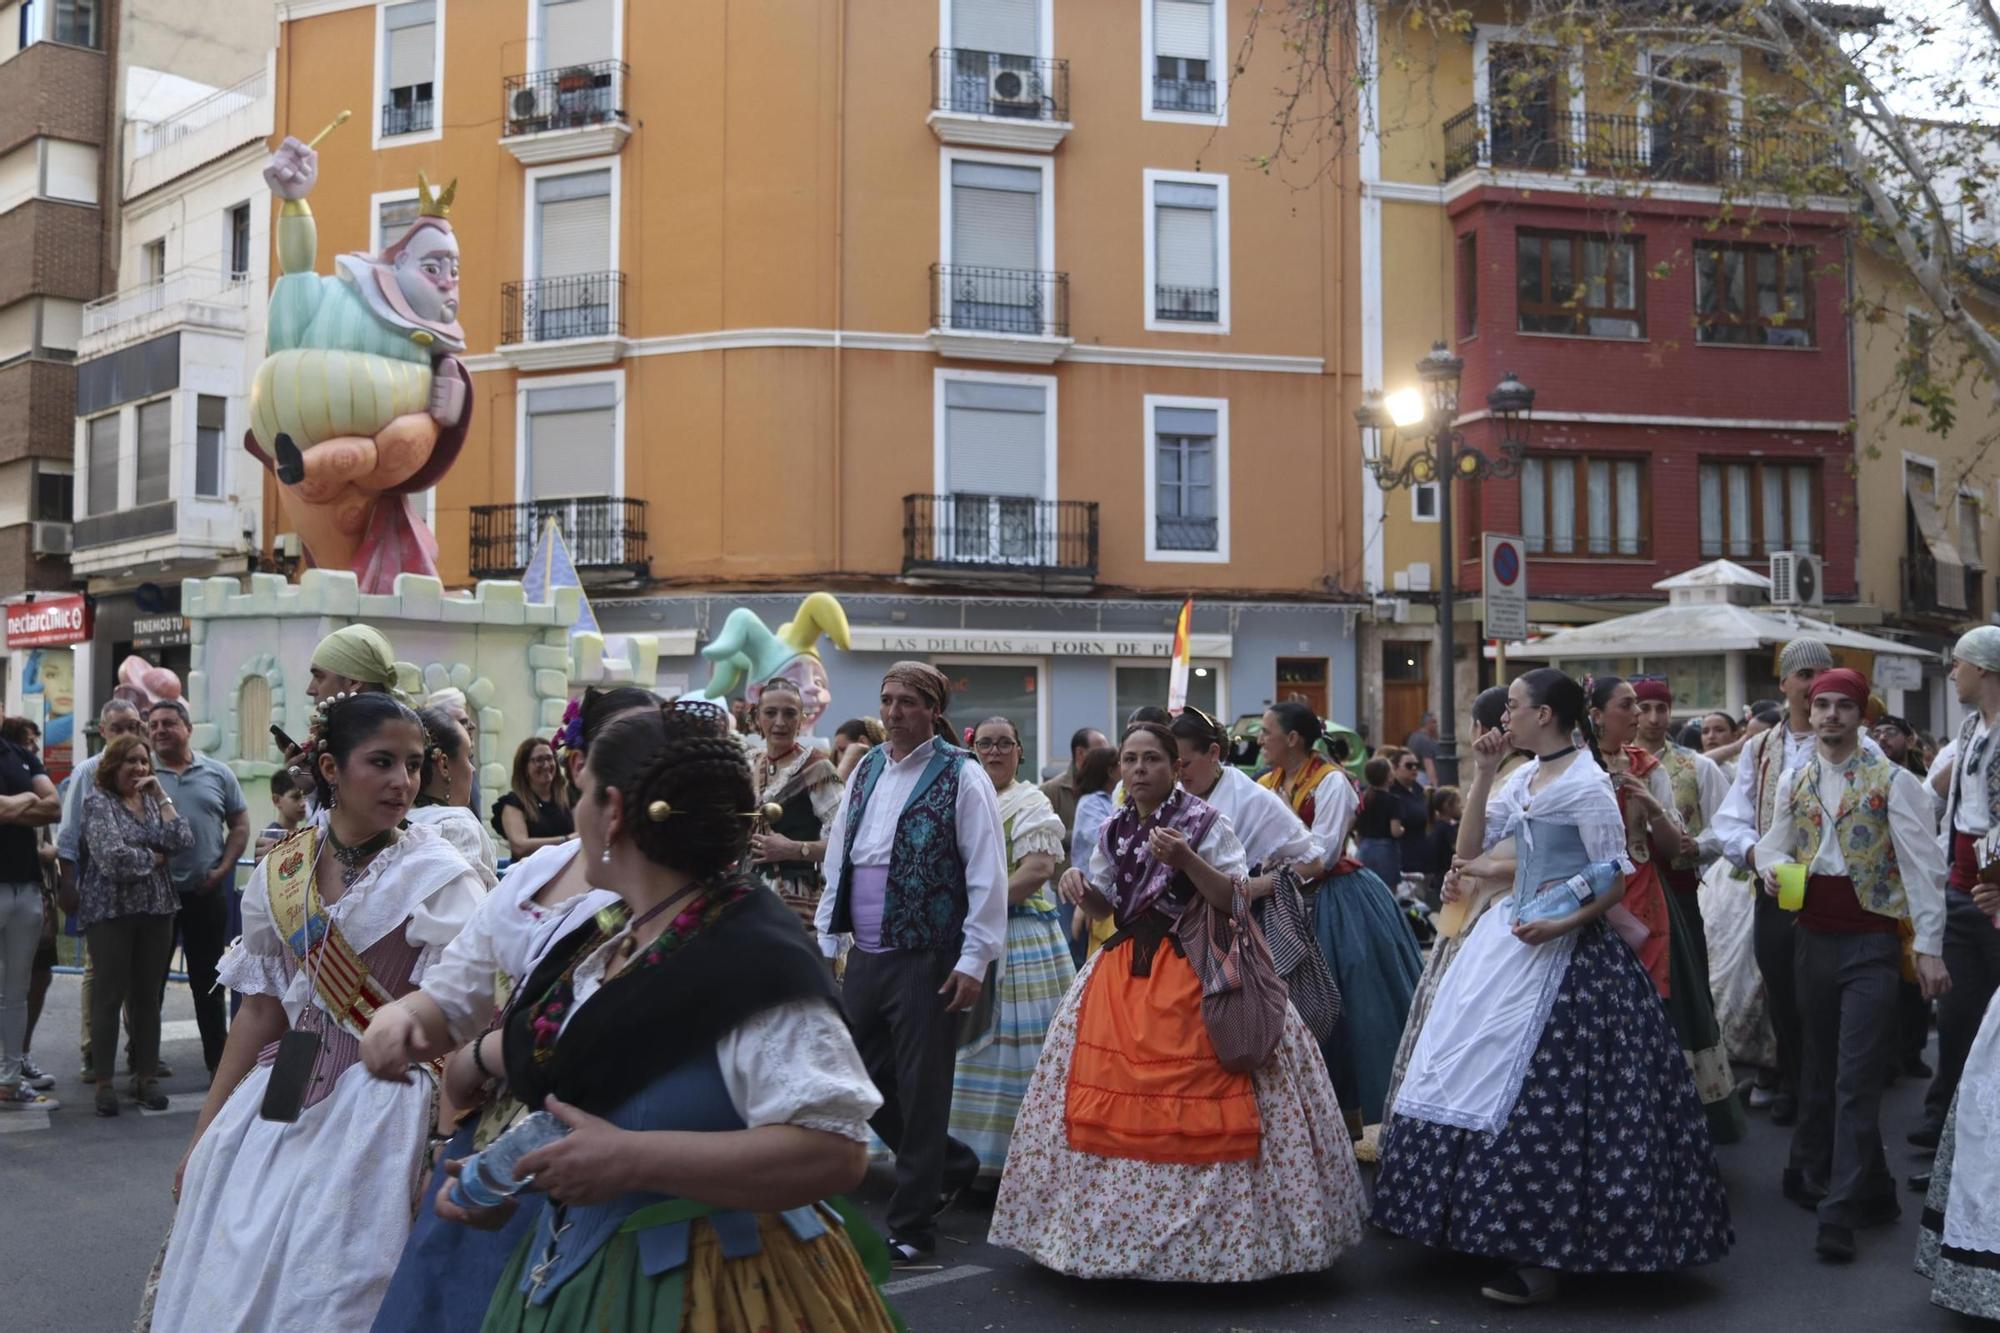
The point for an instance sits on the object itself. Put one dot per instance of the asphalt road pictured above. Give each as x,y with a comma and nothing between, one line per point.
87,1207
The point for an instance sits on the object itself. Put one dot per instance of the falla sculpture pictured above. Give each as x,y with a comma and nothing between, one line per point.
362,400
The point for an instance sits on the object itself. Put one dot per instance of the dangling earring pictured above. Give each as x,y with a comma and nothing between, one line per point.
332,797
604,857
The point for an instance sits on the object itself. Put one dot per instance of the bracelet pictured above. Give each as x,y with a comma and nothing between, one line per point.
479,1062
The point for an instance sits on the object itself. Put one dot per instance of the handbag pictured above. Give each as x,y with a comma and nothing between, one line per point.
1243,999
1296,955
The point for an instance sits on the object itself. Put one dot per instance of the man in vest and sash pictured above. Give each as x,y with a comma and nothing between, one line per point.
1862,827
1699,789
1743,818
1972,810
916,875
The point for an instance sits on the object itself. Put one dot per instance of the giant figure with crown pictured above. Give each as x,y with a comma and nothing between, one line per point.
361,401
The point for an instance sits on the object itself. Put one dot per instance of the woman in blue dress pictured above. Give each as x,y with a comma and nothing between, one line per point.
1548,1120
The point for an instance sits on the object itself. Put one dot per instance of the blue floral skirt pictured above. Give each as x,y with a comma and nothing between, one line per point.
1604,1166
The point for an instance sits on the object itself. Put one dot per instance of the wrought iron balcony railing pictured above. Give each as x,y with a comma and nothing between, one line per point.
999,534
582,305
413,117
605,534
1189,305
992,83
969,299
569,98
1191,95
1546,139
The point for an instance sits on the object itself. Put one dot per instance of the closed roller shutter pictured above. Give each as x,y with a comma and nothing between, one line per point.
411,30
572,441
575,224
1012,27
1182,28
1185,237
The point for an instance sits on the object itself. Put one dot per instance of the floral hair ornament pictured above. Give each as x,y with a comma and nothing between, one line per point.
569,736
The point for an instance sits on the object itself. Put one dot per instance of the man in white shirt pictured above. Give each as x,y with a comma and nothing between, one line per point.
1972,805
916,874
1743,817
1862,828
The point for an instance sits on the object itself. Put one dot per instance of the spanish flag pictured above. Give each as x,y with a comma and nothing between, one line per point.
1177,679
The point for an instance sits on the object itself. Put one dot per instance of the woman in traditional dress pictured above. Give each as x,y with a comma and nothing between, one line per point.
1136,1154
1361,930
645,1019
445,802
1465,900
799,780
1547,1070
1958,1247
448,1273
1670,951
297,1191
995,1066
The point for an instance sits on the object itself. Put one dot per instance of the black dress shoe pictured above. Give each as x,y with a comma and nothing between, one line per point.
1920,1183
291,467
1795,1188
1835,1244
1784,1109
1925,1138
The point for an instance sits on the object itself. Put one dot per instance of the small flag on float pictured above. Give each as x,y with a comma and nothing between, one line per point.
1177,679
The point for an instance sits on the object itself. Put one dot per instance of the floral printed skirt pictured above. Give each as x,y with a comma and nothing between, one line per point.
1605,1164
1293,1207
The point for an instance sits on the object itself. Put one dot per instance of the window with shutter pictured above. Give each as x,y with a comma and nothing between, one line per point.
101,486
996,221
995,473
210,413
1009,27
1184,56
393,217
574,32
155,448
411,32
573,294
1184,219
572,442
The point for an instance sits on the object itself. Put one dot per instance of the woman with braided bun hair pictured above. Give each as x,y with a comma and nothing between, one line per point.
448,1273
296,1192
711,1106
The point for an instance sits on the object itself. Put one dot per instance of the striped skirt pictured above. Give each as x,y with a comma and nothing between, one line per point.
993,1071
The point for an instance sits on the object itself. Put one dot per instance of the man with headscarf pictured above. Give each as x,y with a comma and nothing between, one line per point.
1971,812
916,875
1862,828
1743,818
353,660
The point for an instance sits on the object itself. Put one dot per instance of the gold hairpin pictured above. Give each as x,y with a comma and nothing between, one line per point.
658,811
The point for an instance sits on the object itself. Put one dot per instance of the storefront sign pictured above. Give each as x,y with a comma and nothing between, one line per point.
1896,672
48,622
1008,643
159,632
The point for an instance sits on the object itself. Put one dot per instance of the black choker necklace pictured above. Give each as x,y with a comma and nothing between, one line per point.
1551,758
352,859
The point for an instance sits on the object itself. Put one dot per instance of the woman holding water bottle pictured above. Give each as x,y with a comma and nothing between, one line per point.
697,1112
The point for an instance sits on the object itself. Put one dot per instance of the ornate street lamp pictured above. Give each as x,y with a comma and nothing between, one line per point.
1441,454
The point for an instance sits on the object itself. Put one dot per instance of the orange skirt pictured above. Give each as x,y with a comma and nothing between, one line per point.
1144,1082
1646,899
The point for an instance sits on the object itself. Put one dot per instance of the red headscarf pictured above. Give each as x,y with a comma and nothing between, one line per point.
1843,681
1653,689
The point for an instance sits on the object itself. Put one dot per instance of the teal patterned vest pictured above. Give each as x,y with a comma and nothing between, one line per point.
926,898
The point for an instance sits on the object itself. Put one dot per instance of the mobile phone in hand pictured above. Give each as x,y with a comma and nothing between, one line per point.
285,743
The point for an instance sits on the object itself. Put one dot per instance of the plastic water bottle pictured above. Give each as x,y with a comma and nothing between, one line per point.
486,1178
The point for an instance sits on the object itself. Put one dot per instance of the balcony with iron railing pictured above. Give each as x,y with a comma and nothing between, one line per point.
1922,578
999,314
1003,539
1546,140
198,297
1187,305
417,115
582,313
605,536
1197,97
990,99
553,115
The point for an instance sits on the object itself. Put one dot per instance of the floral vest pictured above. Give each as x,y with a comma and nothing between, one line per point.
1681,772
1861,827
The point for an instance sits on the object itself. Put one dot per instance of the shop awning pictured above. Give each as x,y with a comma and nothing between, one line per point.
1950,568
1695,630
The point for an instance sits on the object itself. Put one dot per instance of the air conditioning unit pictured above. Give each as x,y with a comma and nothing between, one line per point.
1795,579
50,539
1014,90
531,106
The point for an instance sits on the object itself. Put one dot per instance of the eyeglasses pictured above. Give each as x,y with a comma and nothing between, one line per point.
993,746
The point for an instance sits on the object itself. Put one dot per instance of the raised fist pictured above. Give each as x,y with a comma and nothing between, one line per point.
292,170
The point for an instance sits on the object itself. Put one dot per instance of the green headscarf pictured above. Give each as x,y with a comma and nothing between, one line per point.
361,653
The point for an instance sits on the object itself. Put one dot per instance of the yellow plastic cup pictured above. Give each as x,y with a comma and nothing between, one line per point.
1791,885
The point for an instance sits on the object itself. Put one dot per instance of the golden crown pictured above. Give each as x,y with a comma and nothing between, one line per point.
434,203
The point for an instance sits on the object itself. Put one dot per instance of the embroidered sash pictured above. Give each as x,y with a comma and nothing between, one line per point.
343,983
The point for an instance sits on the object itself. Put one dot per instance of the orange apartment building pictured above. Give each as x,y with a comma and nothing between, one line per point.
976,313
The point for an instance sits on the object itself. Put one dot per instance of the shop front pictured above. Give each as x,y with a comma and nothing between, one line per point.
143,621
44,634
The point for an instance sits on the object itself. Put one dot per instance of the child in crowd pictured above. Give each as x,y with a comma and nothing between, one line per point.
290,803
1447,805
1376,826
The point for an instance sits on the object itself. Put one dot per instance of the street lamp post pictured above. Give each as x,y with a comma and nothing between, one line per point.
1442,455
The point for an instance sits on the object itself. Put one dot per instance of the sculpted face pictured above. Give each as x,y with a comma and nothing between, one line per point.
427,274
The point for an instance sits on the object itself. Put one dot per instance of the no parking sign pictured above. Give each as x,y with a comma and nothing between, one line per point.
1505,584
